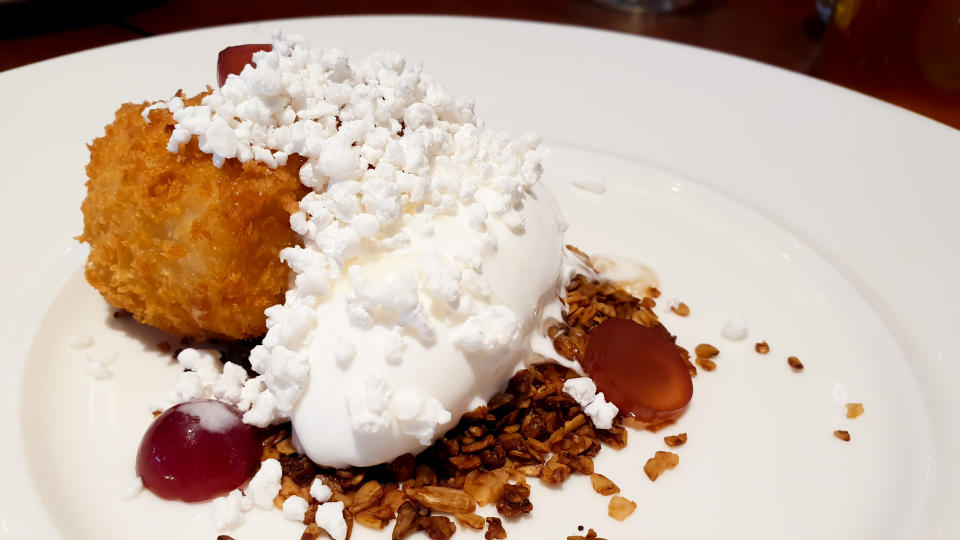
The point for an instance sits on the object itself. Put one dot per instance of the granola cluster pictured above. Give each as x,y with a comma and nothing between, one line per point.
531,430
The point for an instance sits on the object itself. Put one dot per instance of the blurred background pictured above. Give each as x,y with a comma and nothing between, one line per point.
906,52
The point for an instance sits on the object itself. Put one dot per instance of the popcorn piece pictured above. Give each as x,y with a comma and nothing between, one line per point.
265,485
330,518
735,329
584,391
601,412
227,511
295,508
581,389
319,491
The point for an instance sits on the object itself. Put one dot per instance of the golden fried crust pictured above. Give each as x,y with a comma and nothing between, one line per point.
184,246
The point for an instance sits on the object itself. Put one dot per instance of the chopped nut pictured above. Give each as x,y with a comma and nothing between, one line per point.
706,364
554,472
705,350
438,527
407,516
371,520
494,529
470,520
603,485
854,410
286,448
484,486
660,462
675,440
530,470
466,462
842,435
620,508
762,347
795,363
299,469
680,309
515,500
615,437
368,495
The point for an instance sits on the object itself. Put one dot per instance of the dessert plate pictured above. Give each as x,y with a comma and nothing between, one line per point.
823,217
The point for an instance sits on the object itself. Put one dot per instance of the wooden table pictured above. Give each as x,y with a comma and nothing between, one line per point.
879,50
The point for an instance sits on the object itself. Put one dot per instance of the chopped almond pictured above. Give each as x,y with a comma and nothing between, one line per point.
762,347
660,462
675,440
471,520
494,529
795,363
620,508
680,309
705,350
842,435
706,364
603,485
854,410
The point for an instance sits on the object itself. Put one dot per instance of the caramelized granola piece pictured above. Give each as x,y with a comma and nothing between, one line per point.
620,508
470,520
705,350
795,363
603,485
494,529
843,435
660,462
515,500
437,527
675,440
706,364
854,410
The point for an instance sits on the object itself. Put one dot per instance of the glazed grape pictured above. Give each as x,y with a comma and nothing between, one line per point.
638,369
196,451
232,60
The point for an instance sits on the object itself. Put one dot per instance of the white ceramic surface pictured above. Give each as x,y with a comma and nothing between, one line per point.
771,175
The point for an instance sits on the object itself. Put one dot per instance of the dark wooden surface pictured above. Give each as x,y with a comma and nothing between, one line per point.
785,33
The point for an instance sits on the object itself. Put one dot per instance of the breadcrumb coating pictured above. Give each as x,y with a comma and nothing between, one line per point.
184,246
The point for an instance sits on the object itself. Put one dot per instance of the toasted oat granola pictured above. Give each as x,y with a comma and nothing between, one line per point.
532,429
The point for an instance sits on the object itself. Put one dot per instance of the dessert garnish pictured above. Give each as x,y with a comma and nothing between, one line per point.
639,369
425,358
196,451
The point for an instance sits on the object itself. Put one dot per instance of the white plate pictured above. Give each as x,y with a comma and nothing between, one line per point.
766,170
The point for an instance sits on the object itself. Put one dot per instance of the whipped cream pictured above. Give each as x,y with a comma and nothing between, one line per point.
430,253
